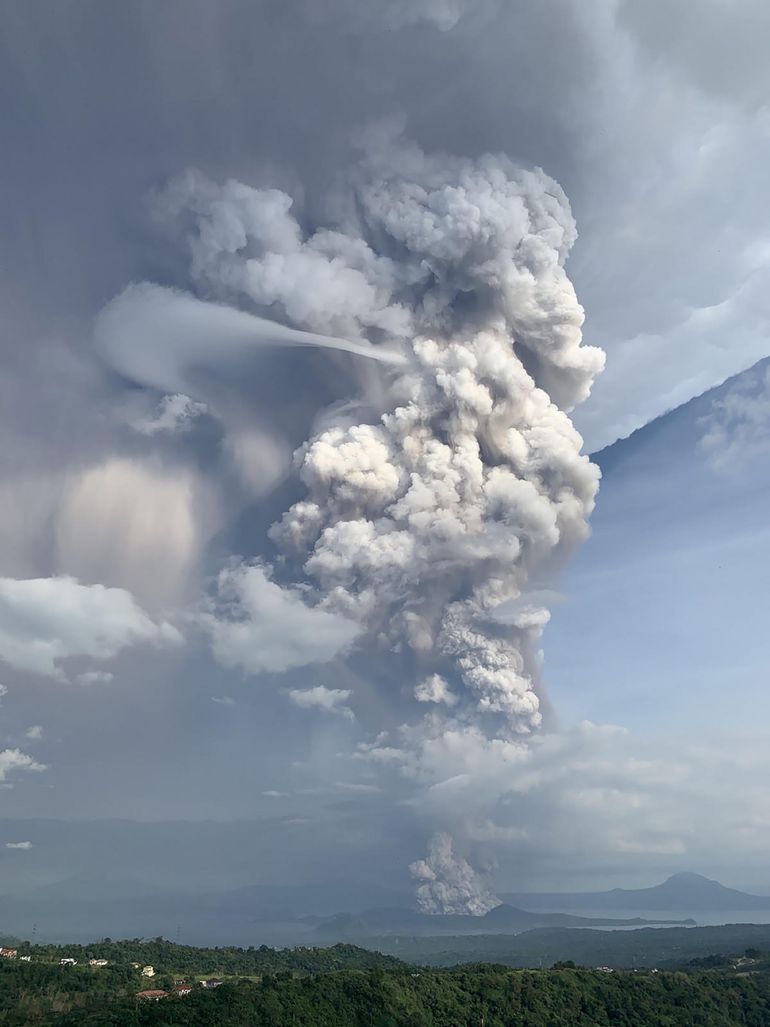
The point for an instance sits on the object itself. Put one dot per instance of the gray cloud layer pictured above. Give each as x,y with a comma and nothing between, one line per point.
47,620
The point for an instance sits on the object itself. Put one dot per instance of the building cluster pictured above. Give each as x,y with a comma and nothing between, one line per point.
156,994
151,994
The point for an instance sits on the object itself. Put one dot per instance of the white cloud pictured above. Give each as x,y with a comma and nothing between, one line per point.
175,413
223,700
329,700
15,759
256,625
18,845
46,620
602,794
357,786
95,677
435,689
34,733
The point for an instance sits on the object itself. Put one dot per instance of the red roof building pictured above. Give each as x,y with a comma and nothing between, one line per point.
153,995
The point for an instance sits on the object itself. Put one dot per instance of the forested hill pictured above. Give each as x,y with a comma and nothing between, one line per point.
167,957
493,996
669,947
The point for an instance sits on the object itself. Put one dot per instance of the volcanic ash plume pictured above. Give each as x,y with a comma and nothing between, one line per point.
419,523
435,521
446,883
424,522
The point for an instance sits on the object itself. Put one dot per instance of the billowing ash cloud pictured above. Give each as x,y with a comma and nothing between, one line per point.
256,625
467,488
447,883
471,483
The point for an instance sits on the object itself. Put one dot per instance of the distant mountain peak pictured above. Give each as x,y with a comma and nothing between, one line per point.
687,881
683,876
683,891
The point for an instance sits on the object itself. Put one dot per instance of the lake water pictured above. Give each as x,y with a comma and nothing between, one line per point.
702,918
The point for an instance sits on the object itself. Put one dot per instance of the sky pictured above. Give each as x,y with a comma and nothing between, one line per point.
295,412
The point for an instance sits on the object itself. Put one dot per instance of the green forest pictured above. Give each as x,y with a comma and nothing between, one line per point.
170,958
345,985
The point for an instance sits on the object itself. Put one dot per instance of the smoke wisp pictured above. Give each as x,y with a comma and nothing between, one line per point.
157,336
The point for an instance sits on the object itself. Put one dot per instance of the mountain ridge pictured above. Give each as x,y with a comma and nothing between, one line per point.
684,892
502,919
